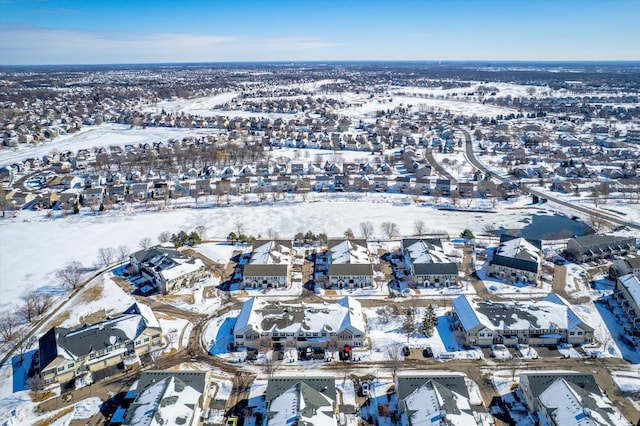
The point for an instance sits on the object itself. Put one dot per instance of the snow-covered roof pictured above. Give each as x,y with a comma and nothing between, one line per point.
631,284
72,344
425,251
349,252
180,269
568,404
303,404
261,315
433,404
519,248
270,253
166,402
552,312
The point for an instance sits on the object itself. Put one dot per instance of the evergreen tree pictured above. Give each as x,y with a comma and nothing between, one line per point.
429,322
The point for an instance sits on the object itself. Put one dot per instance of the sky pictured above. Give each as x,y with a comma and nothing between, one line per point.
41,32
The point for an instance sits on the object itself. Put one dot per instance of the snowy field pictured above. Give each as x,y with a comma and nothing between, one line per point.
35,246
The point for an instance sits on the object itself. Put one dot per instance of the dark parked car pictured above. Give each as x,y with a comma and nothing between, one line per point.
406,351
427,352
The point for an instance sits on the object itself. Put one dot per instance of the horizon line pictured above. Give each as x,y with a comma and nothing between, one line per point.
349,61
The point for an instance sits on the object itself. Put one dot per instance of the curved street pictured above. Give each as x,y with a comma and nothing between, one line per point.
584,210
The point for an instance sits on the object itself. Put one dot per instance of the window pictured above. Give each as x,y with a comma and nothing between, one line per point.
146,339
579,333
61,368
70,365
572,333
239,336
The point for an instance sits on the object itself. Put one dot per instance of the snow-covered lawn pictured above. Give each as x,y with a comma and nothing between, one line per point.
54,242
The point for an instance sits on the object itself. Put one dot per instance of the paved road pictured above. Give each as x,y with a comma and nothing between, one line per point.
585,210
435,165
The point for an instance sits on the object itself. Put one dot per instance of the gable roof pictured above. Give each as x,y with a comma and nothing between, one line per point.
517,253
79,342
168,401
551,312
260,315
301,404
569,404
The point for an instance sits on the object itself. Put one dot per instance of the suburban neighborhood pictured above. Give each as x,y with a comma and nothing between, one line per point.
312,244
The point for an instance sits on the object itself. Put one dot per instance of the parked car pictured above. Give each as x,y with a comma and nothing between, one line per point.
427,352
364,389
406,351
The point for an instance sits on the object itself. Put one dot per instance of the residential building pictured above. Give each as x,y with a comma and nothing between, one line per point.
269,265
624,266
568,398
434,400
627,293
166,268
548,321
169,398
516,259
301,400
430,266
65,353
300,325
349,264
599,246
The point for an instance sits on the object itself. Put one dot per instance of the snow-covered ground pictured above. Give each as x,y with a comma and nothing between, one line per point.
56,241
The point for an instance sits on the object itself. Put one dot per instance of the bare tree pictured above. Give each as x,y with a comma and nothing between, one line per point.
164,237
272,234
489,229
348,234
390,229
106,255
4,203
71,274
394,359
366,228
145,243
419,227
239,227
384,313
8,325
202,231
123,252
39,302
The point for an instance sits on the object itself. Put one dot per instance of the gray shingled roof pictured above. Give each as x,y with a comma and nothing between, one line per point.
195,379
259,270
323,384
346,269
408,384
538,382
435,268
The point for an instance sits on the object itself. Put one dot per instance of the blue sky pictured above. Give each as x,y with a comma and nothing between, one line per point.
114,31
